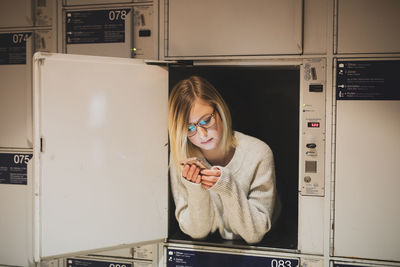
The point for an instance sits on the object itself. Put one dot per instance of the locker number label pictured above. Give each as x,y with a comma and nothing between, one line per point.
13,168
18,38
96,26
281,263
13,48
21,159
117,14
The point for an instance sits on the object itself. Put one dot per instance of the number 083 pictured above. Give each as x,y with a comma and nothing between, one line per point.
281,263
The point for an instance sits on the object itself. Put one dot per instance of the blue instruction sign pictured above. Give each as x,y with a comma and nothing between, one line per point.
96,26
191,258
368,80
13,168
13,48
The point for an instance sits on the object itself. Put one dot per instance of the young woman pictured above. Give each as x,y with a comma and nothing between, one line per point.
236,194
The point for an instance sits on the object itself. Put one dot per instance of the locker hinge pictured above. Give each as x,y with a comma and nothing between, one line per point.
41,144
40,57
40,61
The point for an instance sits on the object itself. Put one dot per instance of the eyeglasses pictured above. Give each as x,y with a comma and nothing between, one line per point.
205,122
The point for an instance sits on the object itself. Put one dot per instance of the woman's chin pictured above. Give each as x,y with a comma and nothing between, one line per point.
209,145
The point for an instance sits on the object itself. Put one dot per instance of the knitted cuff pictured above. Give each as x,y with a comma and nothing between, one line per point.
224,183
190,186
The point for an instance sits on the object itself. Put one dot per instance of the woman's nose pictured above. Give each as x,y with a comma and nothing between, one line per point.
201,132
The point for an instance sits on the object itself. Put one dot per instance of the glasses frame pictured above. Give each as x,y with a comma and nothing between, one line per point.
197,124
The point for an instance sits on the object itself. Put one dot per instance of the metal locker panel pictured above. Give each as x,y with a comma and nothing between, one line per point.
16,91
112,49
94,2
367,180
315,26
16,13
45,41
213,28
124,252
143,38
311,224
312,262
16,220
312,128
368,26
102,178
312,152
44,11
142,264
356,263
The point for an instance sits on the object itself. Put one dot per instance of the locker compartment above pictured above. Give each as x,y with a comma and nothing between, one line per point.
224,28
16,13
368,26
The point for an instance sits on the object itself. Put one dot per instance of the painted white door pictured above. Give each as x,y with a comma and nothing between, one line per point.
100,153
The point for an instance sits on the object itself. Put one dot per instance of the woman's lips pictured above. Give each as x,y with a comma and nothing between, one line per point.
206,142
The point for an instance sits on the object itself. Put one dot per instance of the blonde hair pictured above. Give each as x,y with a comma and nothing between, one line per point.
181,101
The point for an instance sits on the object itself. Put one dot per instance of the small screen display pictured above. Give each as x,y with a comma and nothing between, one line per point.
313,125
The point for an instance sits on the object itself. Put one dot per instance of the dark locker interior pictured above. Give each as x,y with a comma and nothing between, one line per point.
264,103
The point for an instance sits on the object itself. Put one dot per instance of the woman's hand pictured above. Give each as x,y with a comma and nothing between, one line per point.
209,177
191,173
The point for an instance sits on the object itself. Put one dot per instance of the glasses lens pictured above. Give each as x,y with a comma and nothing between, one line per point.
191,130
206,122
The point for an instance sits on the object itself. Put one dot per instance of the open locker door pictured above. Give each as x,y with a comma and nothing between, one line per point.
100,153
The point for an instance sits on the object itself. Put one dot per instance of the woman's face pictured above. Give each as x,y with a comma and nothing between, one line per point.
207,137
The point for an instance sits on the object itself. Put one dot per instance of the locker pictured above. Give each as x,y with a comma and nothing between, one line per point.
367,169
368,26
15,93
227,28
16,13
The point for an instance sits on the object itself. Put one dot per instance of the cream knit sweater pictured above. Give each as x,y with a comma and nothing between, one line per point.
240,204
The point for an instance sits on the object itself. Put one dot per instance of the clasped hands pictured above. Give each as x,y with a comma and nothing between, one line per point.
206,177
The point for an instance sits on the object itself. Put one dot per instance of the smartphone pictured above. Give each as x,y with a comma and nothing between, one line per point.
196,161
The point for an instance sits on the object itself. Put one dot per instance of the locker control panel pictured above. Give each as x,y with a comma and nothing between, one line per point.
312,128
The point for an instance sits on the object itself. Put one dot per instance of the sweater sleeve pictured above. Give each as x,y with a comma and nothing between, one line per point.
194,209
249,214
